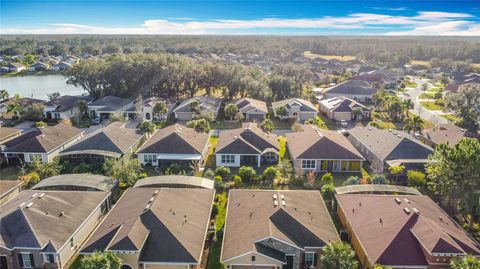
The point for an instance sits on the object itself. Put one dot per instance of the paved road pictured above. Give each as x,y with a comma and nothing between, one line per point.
418,108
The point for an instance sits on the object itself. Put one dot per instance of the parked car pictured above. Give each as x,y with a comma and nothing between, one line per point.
97,121
343,123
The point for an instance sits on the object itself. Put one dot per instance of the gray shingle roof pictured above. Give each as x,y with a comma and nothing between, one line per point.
205,102
305,105
31,226
315,143
111,103
170,228
357,87
176,139
111,141
391,145
43,140
66,102
246,140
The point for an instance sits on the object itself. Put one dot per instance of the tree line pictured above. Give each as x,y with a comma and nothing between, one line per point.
175,77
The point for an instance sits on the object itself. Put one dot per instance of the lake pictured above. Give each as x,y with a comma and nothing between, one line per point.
38,86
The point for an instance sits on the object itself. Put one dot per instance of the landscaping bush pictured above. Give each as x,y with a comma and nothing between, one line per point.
237,181
247,173
270,173
222,171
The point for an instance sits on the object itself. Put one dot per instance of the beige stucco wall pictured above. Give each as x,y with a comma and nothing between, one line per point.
130,259
259,260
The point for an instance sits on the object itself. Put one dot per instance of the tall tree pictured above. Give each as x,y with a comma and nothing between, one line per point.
414,124
467,262
466,104
100,260
4,94
339,255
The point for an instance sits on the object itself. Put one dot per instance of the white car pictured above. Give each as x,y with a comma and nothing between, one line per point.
343,123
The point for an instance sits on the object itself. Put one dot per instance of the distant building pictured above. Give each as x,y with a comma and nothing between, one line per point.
343,108
61,66
15,67
38,66
64,107
357,90
252,109
296,108
317,150
22,102
206,104
148,106
402,231
110,105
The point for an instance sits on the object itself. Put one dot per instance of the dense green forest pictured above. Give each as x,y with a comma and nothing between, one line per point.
419,48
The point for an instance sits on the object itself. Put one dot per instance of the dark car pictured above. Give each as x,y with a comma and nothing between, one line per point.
97,121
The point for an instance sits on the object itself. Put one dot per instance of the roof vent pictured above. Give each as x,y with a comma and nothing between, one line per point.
156,192
390,130
275,196
407,210
151,200
399,136
146,207
283,203
282,196
394,133
406,200
275,203
61,214
416,210
34,195
398,200
22,204
29,205
41,195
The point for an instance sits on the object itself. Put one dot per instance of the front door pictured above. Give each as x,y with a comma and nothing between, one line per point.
3,262
289,264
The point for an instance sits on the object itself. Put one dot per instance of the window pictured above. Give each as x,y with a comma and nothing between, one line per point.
149,158
26,260
34,156
228,158
308,164
48,258
310,259
355,166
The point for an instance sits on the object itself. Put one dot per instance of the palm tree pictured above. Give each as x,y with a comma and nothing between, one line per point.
413,124
15,109
467,262
4,94
339,255
407,105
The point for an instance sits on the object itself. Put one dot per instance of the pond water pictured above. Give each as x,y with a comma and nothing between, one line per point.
38,86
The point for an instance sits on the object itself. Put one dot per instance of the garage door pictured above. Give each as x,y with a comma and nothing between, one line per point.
252,267
255,117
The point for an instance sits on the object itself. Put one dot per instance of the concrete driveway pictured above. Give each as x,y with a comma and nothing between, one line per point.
25,126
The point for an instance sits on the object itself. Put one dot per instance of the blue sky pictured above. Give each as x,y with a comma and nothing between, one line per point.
341,17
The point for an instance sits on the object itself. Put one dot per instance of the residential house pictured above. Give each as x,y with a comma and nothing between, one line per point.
148,106
379,77
344,108
358,90
276,229
385,148
416,69
38,66
191,107
61,66
64,107
252,109
9,189
16,67
156,228
296,108
43,144
444,134
402,231
7,134
248,145
110,105
44,229
22,102
113,141
174,144
318,150
462,78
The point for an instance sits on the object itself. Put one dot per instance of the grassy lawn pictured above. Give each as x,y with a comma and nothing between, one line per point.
410,84
426,95
215,247
11,172
210,159
431,105
451,117
310,55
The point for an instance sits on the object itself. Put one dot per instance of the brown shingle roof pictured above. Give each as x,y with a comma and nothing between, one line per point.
43,139
315,143
155,222
176,139
390,236
252,216
6,133
31,226
445,133
246,140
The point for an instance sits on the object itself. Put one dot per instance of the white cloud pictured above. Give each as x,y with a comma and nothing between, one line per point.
423,23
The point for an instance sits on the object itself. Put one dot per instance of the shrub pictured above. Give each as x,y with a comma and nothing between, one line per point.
239,117
174,169
379,179
147,126
40,124
353,180
267,125
237,181
217,179
327,178
231,110
222,171
208,174
270,173
416,179
117,117
247,173
200,125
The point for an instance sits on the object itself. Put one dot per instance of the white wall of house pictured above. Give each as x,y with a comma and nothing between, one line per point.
234,163
299,165
145,158
49,156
